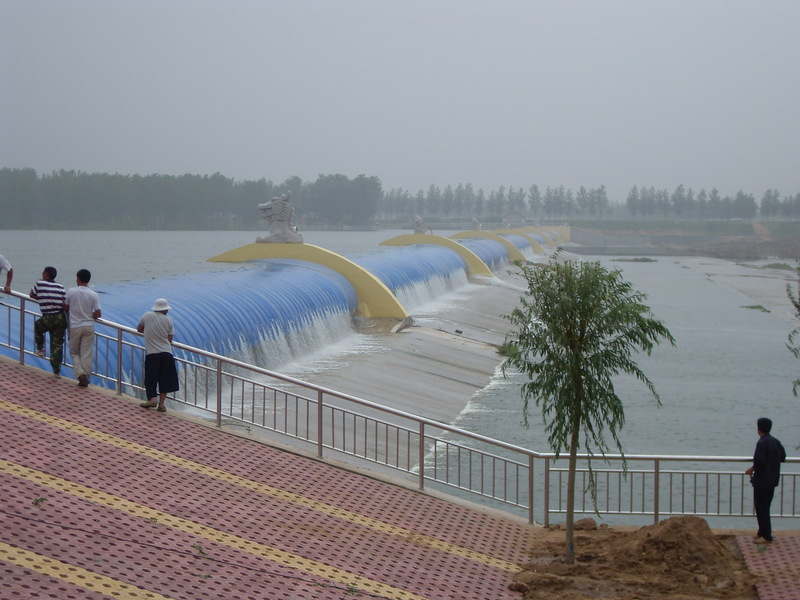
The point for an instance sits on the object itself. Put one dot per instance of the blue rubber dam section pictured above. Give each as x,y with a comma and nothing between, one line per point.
492,253
226,310
400,267
518,240
272,311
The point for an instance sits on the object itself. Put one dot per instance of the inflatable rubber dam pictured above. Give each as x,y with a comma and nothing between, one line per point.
278,302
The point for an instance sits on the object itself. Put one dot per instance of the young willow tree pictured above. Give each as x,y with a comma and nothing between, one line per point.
578,325
793,342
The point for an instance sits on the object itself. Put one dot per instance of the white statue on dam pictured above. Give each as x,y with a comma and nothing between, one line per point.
278,214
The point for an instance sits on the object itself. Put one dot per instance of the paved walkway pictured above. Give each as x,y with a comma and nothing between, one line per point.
777,565
100,498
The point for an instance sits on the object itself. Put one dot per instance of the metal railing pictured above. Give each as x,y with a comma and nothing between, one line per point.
433,454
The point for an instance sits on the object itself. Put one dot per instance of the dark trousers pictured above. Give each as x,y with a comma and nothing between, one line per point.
56,325
160,374
762,498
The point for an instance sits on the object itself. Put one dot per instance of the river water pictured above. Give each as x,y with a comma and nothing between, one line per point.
729,367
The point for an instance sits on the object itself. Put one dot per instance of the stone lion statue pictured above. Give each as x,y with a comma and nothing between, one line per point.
278,214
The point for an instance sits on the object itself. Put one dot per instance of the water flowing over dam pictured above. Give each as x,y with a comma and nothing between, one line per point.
271,309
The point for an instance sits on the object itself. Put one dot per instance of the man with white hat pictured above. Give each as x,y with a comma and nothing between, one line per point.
160,372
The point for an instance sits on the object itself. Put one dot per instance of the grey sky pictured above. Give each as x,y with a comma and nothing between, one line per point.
694,92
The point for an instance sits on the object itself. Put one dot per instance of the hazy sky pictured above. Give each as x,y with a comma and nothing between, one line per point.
621,93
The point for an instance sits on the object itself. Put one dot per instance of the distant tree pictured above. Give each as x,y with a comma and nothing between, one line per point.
633,203
770,204
744,206
365,193
459,200
534,199
433,200
480,202
702,204
663,202
419,203
598,201
691,203
582,201
498,201
576,328
516,199
714,204
448,201
678,201
647,199
469,200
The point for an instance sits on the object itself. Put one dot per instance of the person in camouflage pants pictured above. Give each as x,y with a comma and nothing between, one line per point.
50,295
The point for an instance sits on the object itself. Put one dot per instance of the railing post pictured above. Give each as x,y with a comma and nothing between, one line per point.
119,363
656,492
320,424
422,455
219,393
530,489
547,492
21,331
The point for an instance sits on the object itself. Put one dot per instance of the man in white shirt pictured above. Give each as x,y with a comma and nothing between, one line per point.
160,372
6,266
83,306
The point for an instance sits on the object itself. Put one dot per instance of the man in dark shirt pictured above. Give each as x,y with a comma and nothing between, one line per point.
765,475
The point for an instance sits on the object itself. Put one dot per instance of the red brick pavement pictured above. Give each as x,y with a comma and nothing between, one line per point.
777,565
101,498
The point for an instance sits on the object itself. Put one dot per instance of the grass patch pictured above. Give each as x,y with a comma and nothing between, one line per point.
508,349
637,259
779,266
757,307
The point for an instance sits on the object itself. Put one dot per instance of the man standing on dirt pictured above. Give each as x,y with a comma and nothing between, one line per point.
765,475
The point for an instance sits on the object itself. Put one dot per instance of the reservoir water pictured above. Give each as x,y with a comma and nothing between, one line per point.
730,365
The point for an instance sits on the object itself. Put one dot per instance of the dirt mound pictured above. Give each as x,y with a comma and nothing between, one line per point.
677,559
678,544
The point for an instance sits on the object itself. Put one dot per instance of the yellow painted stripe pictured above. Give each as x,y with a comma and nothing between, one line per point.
208,533
265,489
77,576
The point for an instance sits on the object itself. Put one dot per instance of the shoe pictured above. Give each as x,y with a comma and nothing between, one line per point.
162,409
57,375
761,540
83,381
40,353
149,404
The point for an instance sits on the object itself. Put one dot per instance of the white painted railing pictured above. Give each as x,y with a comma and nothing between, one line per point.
436,455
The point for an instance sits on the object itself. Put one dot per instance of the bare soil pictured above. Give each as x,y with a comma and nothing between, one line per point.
677,559
750,248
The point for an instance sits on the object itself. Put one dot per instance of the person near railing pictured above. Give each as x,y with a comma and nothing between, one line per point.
6,266
83,307
765,474
160,371
50,294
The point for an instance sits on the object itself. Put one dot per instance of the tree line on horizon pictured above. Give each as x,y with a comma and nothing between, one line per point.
77,200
